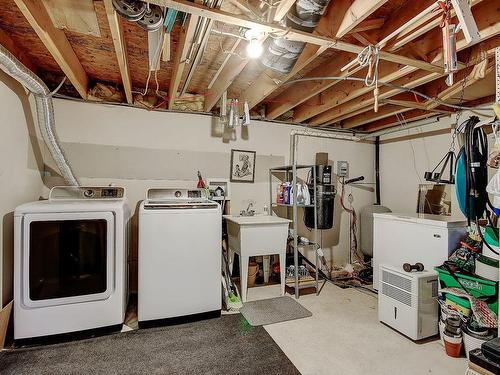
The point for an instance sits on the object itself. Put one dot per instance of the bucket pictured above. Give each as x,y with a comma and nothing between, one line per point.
487,267
452,345
473,341
253,269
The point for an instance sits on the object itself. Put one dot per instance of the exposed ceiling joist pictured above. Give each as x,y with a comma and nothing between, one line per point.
269,80
464,79
115,25
333,92
56,42
328,109
364,118
415,105
230,70
283,8
302,91
417,29
368,25
226,17
418,114
357,13
409,116
185,42
234,65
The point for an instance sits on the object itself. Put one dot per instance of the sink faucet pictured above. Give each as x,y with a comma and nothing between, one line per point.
248,211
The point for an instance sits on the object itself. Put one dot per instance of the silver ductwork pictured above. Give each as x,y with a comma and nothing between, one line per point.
44,109
282,54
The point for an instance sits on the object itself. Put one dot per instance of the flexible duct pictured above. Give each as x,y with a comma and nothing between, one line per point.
44,109
281,54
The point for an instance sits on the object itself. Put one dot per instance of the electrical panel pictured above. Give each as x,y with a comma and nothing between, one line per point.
343,168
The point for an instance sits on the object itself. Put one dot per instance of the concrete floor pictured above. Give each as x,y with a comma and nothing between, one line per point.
345,337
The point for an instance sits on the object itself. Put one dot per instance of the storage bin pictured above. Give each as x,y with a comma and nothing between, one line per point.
487,290
491,237
461,305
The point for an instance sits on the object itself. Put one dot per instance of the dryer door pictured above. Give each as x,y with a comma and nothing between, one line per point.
67,258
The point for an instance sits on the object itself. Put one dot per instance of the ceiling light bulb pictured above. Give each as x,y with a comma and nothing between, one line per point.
254,48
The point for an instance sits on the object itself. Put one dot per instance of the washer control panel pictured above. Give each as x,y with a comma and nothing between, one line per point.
175,194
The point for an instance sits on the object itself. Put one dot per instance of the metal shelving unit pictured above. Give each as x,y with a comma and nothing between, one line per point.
290,174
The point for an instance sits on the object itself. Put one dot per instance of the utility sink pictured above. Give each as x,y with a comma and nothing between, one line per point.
256,220
259,235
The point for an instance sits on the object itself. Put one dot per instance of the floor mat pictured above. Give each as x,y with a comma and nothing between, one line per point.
273,310
226,345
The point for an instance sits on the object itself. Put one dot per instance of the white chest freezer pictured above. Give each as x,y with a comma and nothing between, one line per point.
412,238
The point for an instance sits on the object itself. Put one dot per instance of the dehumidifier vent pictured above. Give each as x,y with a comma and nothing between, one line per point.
397,294
396,280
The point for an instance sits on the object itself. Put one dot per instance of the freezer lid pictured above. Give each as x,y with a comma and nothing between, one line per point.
427,219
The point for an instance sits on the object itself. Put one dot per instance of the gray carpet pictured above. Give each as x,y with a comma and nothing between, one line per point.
273,310
226,345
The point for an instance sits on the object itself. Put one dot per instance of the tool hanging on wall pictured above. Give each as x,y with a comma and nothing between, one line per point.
449,42
448,160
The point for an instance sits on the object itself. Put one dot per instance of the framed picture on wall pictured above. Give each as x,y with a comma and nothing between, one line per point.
242,166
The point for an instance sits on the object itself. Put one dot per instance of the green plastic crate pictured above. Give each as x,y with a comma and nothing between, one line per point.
476,286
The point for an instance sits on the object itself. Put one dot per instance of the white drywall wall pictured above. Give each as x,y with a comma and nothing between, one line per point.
403,164
139,149
20,178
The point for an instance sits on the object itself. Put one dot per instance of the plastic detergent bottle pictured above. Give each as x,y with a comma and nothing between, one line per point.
300,195
288,188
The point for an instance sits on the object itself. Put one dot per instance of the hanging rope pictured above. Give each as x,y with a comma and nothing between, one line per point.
369,57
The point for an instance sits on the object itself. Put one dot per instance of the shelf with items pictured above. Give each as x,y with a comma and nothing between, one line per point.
288,175
291,205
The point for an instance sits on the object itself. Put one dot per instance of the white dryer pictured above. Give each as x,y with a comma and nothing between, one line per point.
180,234
70,262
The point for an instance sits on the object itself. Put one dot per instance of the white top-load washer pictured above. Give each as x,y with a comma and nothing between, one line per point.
179,257
70,262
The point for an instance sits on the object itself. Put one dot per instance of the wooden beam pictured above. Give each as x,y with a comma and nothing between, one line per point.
418,29
270,80
56,42
363,38
392,121
185,42
373,24
335,95
228,74
12,47
464,80
324,107
232,67
365,102
414,105
283,8
115,25
367,117
302,91
291,34
357,13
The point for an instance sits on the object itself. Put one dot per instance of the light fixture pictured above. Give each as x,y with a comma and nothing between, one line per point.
254,47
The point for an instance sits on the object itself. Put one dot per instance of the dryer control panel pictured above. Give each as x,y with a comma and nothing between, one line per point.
86,192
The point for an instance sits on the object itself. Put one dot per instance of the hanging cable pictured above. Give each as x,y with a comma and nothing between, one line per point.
402,88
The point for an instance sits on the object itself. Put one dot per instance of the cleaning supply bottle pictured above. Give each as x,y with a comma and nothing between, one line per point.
300,194
305,193
288,187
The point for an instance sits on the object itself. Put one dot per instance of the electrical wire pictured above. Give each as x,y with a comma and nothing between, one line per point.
57,88
391,85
